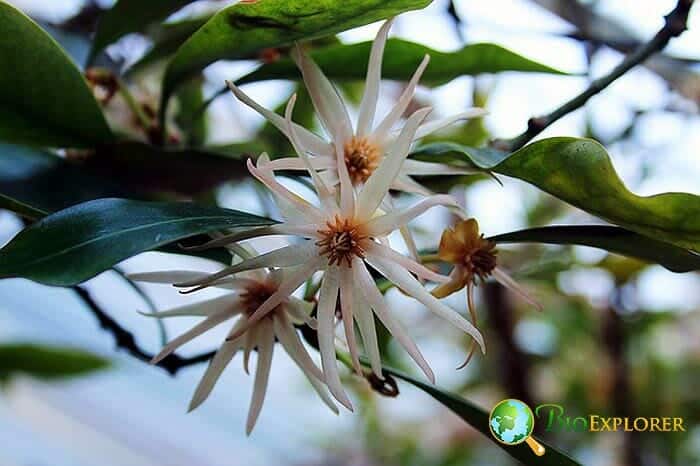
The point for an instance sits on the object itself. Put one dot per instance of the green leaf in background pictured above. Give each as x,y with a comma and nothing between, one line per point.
149,168
238,30
479,419
33,182
44,99
580,172
127,16
75,244
349,62
613,239
167,38
47,362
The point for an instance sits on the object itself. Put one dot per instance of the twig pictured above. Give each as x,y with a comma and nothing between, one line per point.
126,341
675,23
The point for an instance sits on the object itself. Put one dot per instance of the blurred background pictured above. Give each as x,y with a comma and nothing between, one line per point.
617,337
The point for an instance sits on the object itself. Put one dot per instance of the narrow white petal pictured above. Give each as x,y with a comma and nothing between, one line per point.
326,335
320,162
267,178
378,184
194,332
287,256
406,184
300,311
369,290
368,105
381,132
216,367
385,224
286,288
421,168
406,262
327,102
504,279
347,192
432,126
250,339
368,331
287,335
266,347
324,193
311,141
347,306
167,276
224,240
228,302
404,280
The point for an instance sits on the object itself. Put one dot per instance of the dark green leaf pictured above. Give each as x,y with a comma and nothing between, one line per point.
47,362
128,16
75,244
613,239
34,183
151,168
580,172
479,419
166,40
401,58
240,29
44,100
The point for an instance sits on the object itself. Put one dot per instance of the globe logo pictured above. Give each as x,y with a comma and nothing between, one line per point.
511,422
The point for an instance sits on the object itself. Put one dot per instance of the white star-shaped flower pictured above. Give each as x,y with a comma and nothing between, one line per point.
342,237
249,291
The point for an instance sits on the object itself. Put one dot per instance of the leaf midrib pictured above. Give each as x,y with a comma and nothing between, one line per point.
126,231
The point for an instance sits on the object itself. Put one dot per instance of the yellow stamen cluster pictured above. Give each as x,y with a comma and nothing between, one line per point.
362,157
341,241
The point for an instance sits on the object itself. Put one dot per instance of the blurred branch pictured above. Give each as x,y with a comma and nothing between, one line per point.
674,25
126,341
513,362
85,21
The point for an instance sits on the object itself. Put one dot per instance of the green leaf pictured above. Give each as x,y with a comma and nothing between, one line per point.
479,419
166,40
580,172
128,16
75,244
149,168
238,30
44,99
47,362
613,239
401,58
34,183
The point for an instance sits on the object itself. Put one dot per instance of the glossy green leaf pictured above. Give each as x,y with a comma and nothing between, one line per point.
47,362
75,244
401,58
166,40
128,16
580,172
34,182
479,419
240,29
613,239
44,99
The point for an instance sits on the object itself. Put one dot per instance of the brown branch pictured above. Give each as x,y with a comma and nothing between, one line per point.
675,23
126,341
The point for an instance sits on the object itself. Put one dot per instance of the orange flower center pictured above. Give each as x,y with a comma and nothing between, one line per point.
341,241
465,247
362,158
